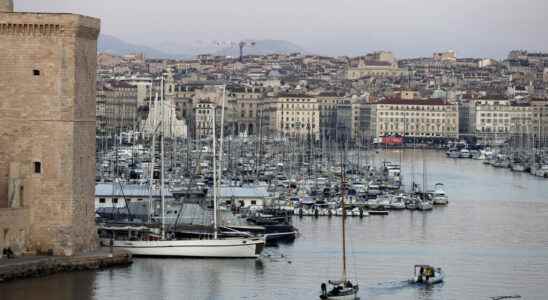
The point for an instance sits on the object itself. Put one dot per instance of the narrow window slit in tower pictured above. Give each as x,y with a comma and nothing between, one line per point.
37,167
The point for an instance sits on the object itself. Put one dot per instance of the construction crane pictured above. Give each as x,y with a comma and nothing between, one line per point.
242,45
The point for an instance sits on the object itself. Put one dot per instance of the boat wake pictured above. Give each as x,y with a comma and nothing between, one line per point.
393,284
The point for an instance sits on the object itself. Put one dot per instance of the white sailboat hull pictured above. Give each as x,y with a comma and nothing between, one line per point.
220,248
345,297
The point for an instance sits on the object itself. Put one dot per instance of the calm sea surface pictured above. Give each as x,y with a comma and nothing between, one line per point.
492,240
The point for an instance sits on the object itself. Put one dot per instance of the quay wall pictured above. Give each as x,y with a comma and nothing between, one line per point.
27,267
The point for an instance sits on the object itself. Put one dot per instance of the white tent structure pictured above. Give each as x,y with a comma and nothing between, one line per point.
162,113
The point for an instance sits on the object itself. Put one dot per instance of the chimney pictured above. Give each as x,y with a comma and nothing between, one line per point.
6,5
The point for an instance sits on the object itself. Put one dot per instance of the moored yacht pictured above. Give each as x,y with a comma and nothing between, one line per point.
214,248
424,205
439,197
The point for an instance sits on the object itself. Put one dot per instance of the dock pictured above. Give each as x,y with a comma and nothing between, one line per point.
38,266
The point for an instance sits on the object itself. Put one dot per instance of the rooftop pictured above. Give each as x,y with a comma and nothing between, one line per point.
115,189
399,101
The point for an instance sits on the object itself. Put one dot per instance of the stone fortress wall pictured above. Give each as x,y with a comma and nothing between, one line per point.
47,131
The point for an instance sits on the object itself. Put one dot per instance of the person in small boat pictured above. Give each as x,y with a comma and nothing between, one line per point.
324,289
421,272
348,284
428,274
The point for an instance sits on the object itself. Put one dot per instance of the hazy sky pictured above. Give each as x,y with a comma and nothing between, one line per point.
487,28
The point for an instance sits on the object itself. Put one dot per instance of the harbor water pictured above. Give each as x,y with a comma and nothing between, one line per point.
491,240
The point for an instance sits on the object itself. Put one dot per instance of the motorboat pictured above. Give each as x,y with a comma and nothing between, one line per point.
373,189
397,202
428,275
411,203
453,153
517,166
439,197
424,205
464,153
540,170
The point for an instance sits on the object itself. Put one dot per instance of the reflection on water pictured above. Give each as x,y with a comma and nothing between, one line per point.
491,240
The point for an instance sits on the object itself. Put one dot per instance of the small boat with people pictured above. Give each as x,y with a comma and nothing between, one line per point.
428,275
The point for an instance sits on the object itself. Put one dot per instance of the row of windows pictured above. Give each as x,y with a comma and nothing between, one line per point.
419,128
494,115
391,113
436,134
507,108
297,100
298,119
300,125
403,120
308,106
419,107
114,200
298,112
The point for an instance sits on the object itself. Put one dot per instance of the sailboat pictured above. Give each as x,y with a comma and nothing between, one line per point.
167,246
342,288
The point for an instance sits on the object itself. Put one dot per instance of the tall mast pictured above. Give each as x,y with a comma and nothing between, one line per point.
162,194
152,110
424,175
215,189
343,196
214,179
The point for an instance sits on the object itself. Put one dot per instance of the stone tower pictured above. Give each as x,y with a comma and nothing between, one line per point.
47,129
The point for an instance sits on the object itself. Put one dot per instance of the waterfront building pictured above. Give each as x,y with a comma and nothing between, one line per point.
47,131
203,122
252,196
423,119
293,116
327,106
243,105
466,128
495,119
368,121
119,195
540,122
116,107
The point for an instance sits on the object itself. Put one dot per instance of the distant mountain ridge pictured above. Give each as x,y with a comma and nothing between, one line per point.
113,45
116,46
